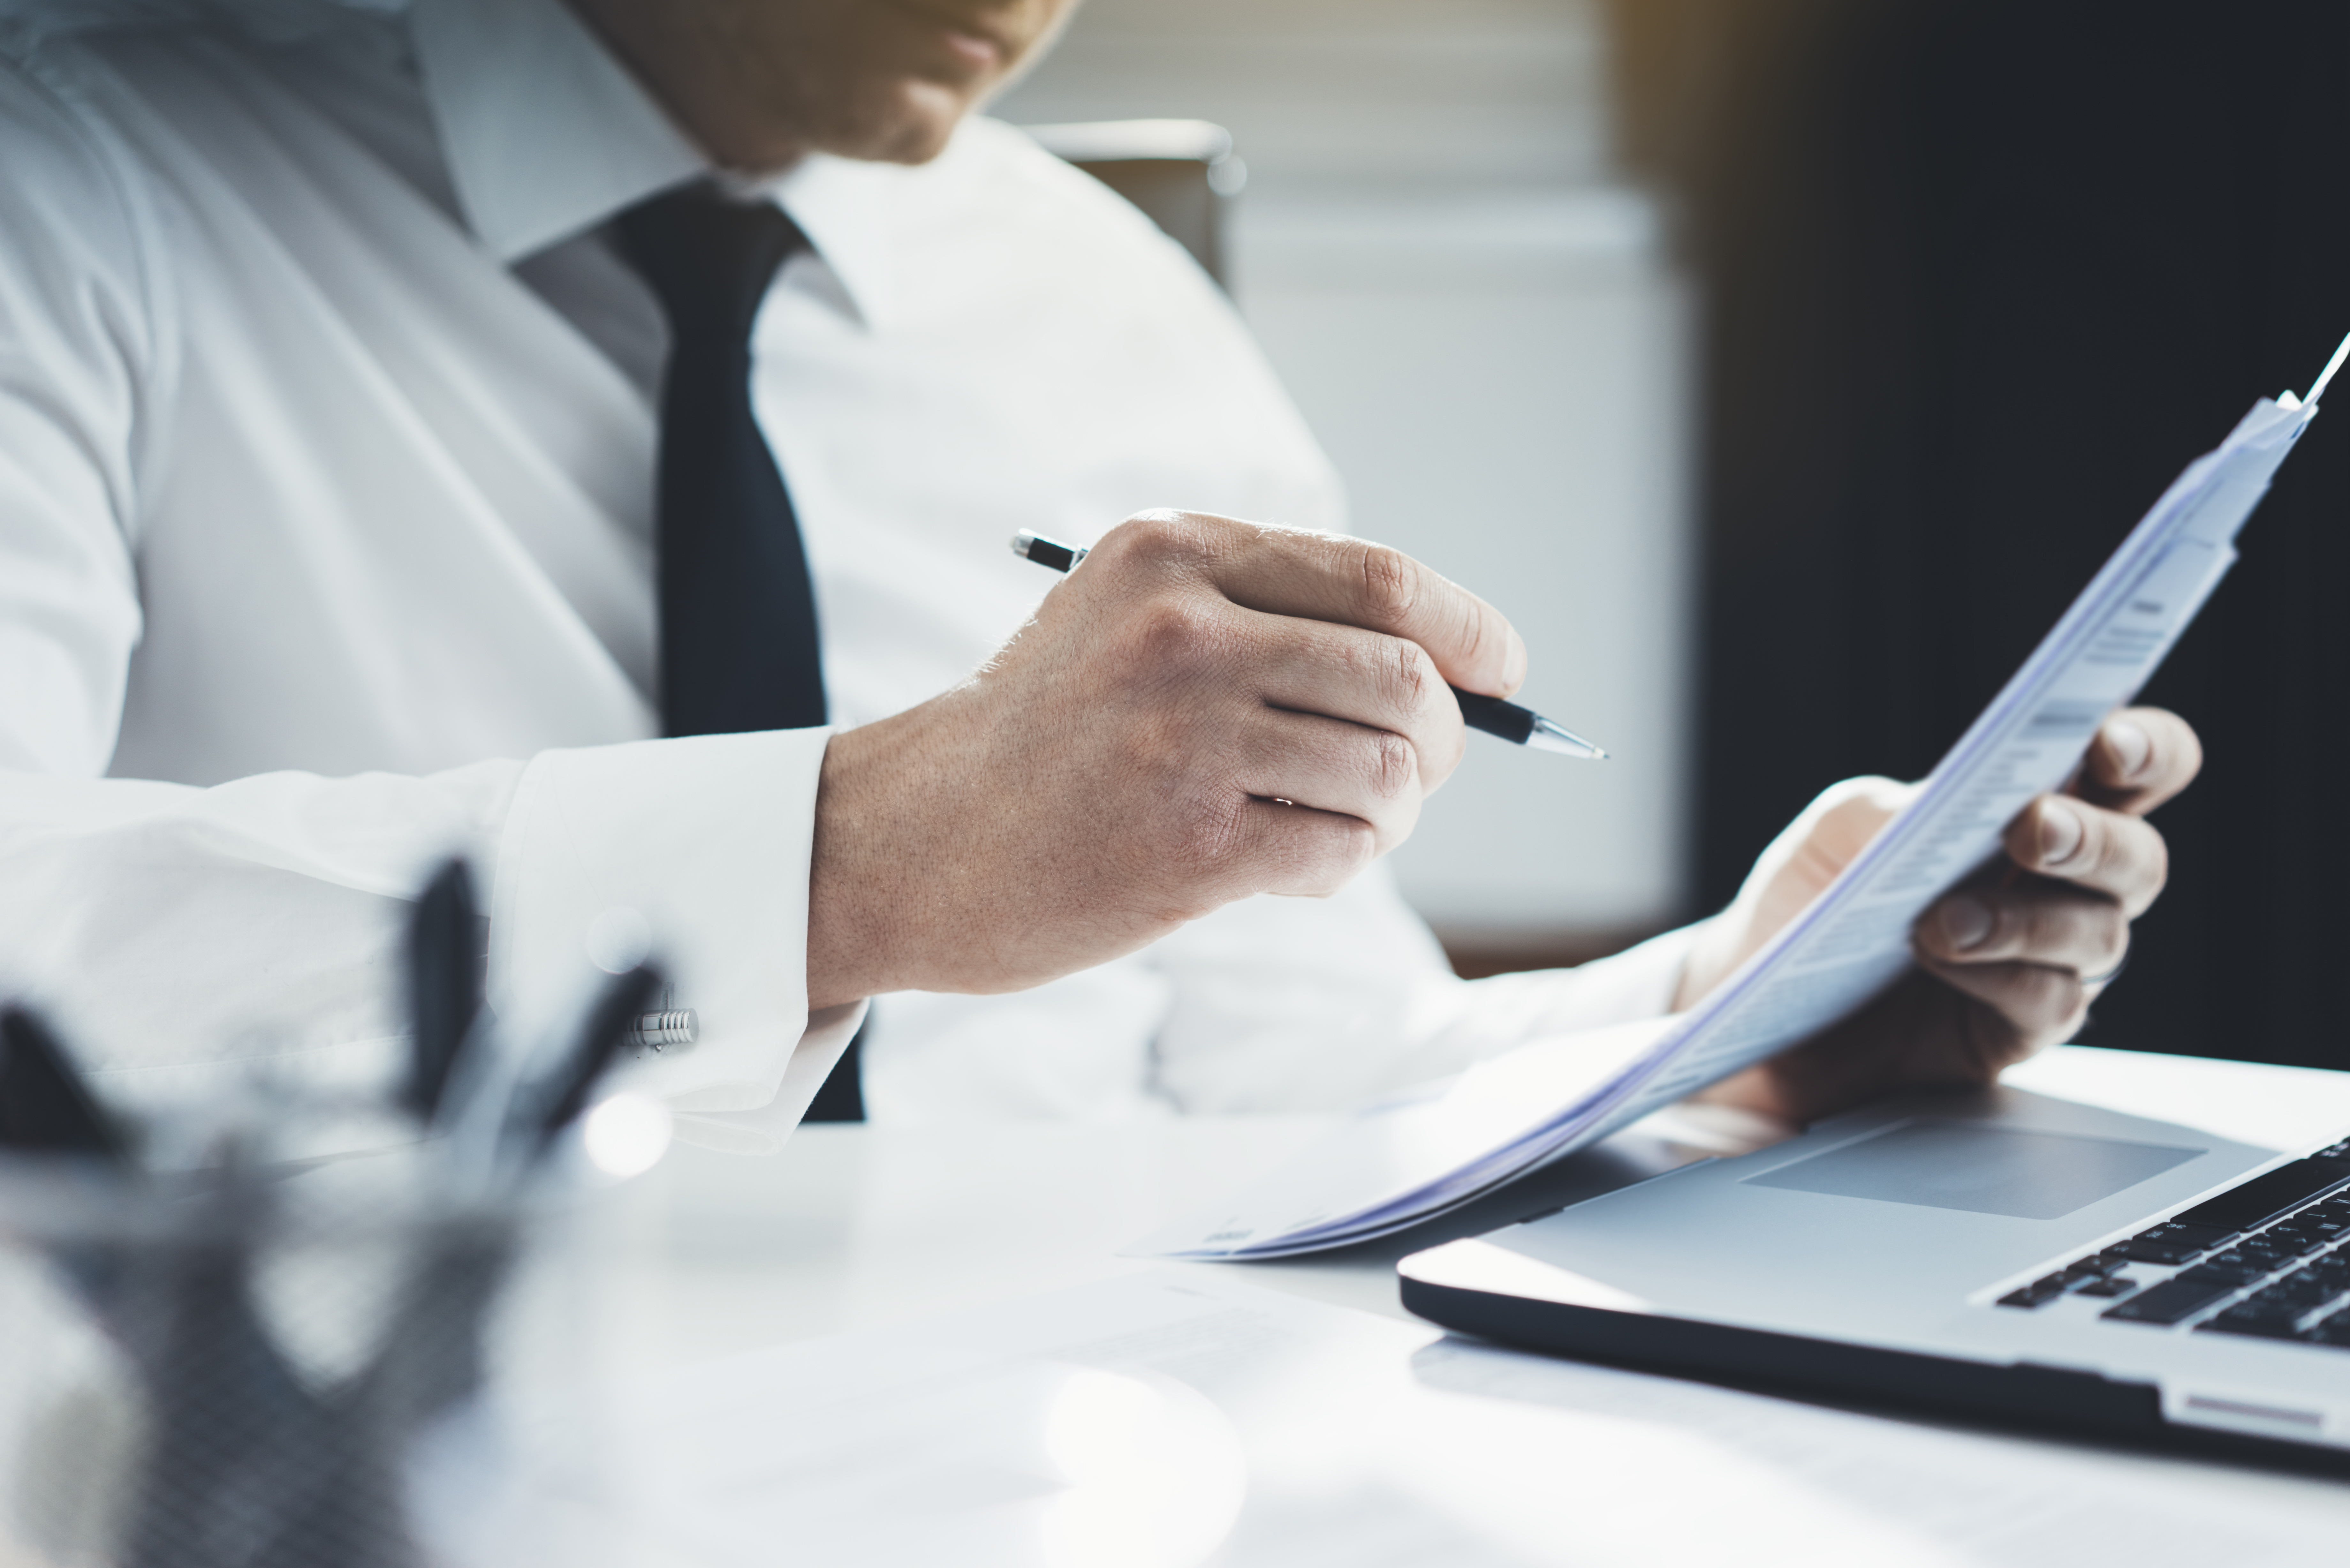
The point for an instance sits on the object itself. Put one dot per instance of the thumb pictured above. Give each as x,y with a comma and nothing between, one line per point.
1821,842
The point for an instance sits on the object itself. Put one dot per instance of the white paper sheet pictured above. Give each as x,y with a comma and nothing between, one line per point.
1401,1162
1168,1420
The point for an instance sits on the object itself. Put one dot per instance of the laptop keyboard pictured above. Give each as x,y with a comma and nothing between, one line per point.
2272,1255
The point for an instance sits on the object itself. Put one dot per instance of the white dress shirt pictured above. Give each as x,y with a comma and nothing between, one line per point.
327,439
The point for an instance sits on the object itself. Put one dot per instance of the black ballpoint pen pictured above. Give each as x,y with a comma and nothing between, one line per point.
1519,726
561,1093
444,986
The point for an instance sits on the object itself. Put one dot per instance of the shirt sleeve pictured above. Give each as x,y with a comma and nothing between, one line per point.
1305,1004
184,938
188,939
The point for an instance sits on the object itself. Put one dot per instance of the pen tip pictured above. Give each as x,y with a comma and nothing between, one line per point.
1551,736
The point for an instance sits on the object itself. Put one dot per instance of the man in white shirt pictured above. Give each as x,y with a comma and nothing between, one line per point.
328,454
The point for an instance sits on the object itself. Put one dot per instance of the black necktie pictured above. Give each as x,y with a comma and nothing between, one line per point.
738,635
738,639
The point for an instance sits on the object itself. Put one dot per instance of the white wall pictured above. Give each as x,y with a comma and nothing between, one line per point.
1484,329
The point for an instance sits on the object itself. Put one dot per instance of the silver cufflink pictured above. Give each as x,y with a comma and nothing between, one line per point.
662,1031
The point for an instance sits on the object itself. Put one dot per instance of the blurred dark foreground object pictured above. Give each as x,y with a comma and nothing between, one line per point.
284,1338
240,1443
1980,276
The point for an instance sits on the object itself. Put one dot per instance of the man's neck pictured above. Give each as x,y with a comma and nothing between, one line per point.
702,85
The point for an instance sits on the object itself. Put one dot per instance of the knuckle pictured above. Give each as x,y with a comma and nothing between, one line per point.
1212,839
1390,585
2069,1024
1338,856
2106,846
1159,538
2052,999
2003,934
1482,635
2127,852
1176,635
1389,765
2113,944
1406,675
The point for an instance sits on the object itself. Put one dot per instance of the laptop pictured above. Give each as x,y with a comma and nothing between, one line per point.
2000,1253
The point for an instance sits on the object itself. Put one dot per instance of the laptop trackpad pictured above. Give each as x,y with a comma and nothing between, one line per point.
1983,1168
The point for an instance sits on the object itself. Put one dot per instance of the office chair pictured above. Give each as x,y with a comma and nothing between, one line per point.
1181,172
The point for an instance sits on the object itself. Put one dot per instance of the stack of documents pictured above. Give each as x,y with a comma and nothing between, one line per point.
1406,1160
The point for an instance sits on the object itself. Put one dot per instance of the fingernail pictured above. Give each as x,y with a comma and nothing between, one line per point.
1966,921
2061,832
2131,746
1514,663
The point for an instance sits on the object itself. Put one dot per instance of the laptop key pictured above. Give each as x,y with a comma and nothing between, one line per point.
2219,1271
2252,1265
2295,1240
2152,1247
2257,1327
2266,1197
2275,1303
2046,1288
2110,1286
2306,1292
2169,1301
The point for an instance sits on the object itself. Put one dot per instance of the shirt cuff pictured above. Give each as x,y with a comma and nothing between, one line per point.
1638,982
694,852
764,1131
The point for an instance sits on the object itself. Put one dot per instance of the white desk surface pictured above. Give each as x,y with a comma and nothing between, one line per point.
853,1225
855,1228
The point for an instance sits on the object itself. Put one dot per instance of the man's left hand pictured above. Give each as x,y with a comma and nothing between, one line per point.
2007,965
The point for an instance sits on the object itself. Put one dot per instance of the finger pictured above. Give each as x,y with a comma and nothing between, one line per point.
1330,765
2040,1004
2141,757
1365,677
2048,924
1331,577
1297,850
1921,1034
2107,852
1831,831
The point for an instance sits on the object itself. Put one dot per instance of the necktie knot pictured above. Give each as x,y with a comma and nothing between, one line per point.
709,260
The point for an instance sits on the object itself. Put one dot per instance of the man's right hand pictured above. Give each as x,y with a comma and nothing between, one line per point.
1203,711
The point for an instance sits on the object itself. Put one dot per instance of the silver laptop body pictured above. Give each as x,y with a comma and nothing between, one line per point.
2003,1254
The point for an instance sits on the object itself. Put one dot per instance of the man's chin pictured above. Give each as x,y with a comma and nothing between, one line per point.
912,122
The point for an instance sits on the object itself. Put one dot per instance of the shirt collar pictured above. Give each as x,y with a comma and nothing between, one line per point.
547,136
